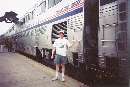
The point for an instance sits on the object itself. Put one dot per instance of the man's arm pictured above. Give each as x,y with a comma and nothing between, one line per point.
70,44
53,52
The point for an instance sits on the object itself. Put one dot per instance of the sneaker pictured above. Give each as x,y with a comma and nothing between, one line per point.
62,79
55,78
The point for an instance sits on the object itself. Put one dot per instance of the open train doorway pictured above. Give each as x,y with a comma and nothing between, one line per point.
58,27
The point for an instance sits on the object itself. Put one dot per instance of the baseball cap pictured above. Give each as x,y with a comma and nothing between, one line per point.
61,31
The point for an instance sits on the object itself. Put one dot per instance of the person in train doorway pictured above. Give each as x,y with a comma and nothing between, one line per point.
60,49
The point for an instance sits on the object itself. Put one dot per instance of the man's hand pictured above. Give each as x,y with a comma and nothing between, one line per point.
72,43
52,56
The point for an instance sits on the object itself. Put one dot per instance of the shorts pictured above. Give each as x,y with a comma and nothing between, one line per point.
59,59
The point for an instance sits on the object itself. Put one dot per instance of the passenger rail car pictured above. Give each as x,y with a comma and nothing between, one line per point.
98,29
113,37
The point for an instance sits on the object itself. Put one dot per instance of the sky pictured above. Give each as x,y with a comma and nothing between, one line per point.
18,6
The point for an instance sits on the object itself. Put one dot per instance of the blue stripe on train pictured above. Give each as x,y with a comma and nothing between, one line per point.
76,11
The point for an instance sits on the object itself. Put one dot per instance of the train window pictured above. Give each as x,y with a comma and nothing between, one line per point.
23,20
51,3
122,40
121,46
123,26
32,33
122,6
122,16
28,17
32,13
23,33
41,31
43,6
122,37
57,1
27,33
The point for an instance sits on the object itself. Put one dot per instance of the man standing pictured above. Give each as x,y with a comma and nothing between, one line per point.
60,46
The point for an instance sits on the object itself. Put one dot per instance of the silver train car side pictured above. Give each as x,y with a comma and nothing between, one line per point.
113,36
40,26
98,29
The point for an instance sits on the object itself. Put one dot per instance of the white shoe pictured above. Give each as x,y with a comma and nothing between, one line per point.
55,78
62,79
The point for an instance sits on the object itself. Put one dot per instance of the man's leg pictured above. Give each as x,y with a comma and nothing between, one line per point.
63,72
57,71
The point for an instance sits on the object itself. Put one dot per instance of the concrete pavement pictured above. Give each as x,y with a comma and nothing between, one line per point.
19,71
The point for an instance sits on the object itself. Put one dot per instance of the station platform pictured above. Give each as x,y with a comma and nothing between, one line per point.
19,71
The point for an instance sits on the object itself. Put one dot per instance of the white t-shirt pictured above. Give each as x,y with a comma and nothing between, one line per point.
61,46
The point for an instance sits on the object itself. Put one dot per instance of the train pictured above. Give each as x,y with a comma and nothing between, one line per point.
99,29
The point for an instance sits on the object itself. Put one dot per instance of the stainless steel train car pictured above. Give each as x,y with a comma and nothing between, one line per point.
41,25
113,36
99,30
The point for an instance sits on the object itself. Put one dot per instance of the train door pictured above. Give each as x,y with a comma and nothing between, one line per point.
56,28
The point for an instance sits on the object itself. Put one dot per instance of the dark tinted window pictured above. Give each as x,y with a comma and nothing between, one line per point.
57,1
122,40
122,36
43,6
123,26
51,3
122,6
122,16
121,46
